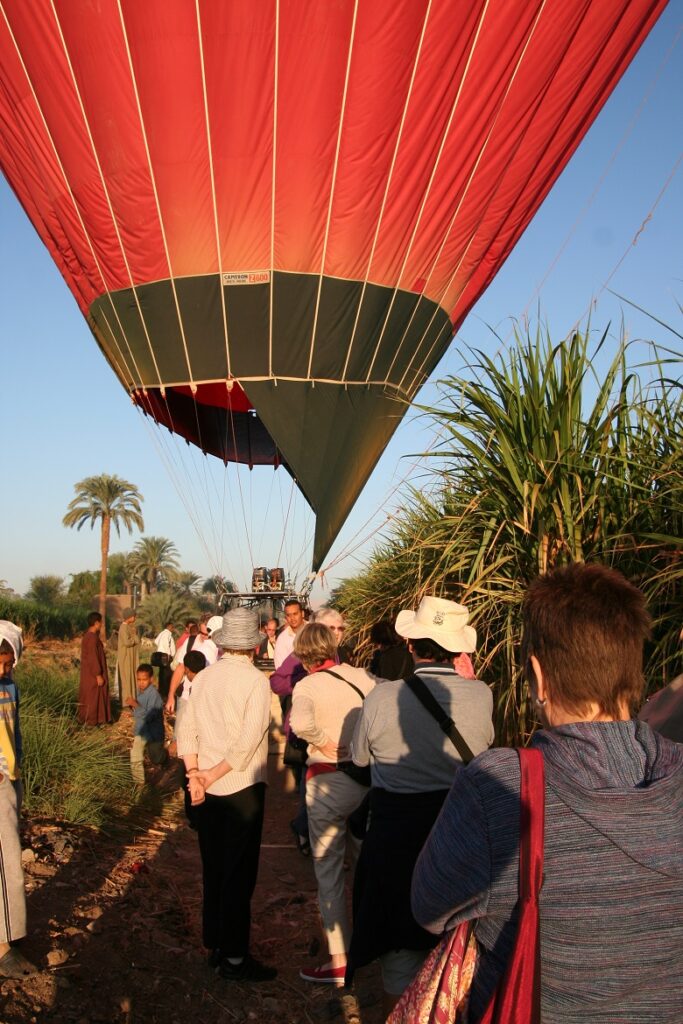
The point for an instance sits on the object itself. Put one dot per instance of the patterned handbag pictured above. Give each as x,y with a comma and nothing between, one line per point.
439,994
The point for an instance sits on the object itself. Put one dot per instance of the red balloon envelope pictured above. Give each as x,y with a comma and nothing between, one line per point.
274,215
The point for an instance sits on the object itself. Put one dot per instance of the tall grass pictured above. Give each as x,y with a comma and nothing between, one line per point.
546,461
69,772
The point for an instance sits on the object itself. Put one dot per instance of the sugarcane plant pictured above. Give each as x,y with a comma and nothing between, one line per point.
550,453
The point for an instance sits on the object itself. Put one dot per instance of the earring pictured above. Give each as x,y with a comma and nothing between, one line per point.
540,703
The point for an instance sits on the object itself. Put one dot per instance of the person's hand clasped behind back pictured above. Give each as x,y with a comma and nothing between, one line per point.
197,788
331,750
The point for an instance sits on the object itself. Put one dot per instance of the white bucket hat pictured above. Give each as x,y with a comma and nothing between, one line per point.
444,622
239,630
13,635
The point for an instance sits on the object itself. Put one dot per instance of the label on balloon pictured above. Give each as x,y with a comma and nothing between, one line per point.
248,277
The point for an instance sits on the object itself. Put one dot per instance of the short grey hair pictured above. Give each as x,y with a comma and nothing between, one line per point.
329,617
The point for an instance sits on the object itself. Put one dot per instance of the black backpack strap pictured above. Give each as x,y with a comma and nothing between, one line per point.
352,685
429,702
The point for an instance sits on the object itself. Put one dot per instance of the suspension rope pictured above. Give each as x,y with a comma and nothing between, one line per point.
181,490
294,568
286,520
239,486
347,550
267,511
634,241
227,463
608,167
438,437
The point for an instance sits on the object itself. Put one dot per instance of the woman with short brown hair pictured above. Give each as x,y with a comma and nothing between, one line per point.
611,904
325,706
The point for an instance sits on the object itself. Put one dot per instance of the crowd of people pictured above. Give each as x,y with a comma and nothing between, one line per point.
404,800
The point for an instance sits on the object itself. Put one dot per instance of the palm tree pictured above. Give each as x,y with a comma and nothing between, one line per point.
84,586
216,588
186,582
163,607
106,500
120,573
154,561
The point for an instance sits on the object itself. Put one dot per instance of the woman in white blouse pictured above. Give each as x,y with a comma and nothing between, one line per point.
223,740
325,707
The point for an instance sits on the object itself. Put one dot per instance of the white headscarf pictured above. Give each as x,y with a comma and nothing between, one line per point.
12,634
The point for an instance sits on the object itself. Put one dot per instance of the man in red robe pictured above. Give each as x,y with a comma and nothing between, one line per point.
93,695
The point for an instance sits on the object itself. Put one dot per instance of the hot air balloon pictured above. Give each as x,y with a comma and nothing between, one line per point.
275,214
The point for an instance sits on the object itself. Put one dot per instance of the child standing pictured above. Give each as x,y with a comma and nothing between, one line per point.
194,662
148,717
12,897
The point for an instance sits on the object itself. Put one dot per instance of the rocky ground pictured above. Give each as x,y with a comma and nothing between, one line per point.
114,923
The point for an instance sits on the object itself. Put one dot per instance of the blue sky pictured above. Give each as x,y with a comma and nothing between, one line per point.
65,416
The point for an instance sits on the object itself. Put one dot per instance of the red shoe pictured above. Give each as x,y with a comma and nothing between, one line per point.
325,974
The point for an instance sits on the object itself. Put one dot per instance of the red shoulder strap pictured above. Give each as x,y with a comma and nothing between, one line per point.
532,823
517,1000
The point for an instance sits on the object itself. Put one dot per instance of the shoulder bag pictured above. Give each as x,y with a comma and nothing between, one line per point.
429,702
295,754
439,994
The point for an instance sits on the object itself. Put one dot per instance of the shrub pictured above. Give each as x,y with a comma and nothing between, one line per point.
40,621
69,772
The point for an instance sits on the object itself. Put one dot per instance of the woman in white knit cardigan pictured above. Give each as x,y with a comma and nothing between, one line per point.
325,707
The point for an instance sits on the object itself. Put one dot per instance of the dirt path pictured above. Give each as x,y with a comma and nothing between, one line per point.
115,923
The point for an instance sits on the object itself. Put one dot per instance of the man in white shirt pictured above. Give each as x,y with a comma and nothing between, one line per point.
294,617
413,762
165,653
223,739
165,643
201,641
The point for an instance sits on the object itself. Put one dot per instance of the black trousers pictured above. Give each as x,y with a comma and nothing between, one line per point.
229,830
165,676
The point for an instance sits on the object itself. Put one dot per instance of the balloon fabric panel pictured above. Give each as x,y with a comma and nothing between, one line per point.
274,215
